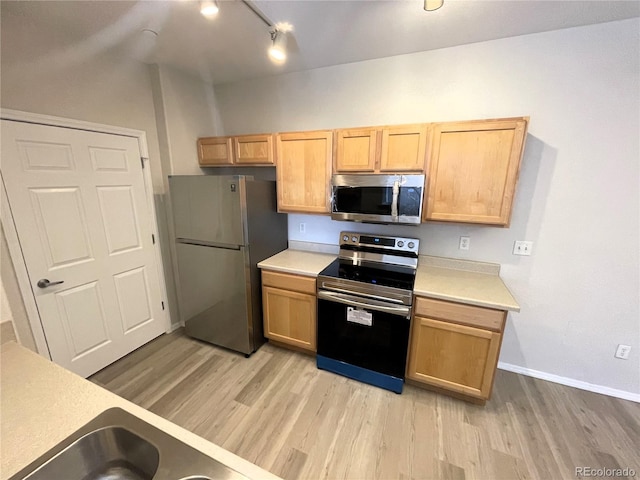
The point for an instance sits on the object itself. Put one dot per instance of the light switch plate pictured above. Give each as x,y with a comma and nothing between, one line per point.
521,247
623,352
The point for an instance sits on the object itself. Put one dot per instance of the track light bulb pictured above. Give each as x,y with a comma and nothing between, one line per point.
209,8
431,5
278,50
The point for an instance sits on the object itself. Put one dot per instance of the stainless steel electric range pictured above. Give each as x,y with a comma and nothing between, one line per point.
364,308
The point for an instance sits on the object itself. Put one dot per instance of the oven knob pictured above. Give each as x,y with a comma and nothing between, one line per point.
354,239
411,245
400,243
345,238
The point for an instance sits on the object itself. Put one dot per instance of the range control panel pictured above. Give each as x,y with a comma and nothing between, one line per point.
381,241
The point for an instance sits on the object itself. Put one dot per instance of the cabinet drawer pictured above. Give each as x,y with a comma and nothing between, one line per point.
463,314
287,281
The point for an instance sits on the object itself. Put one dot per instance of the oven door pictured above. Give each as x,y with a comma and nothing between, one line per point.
377,198
367,334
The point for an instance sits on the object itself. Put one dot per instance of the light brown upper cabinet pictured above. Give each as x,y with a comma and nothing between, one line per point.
304,171
254,150
473,170
403,148
399,148
240,150
213,151
356,150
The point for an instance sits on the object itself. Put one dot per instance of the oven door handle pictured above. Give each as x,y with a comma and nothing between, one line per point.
348,300
329,286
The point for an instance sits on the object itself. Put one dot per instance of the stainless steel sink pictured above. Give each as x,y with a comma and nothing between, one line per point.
119,446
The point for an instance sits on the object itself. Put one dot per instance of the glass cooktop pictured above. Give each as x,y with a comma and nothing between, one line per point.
387,275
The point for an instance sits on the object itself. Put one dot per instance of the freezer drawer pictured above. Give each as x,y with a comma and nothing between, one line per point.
214,295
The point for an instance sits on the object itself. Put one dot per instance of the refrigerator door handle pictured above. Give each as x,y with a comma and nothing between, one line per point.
201,243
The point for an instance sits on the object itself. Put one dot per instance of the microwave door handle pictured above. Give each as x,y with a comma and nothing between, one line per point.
394,200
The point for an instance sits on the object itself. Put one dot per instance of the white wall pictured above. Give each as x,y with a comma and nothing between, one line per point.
11,306
188,112
185,110
578,194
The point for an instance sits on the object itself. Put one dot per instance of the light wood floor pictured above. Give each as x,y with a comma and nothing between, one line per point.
278,411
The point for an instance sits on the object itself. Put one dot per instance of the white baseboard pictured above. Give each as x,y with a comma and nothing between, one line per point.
570,382
175,326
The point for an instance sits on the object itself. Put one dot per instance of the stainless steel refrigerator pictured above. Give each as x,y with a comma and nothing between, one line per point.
224,226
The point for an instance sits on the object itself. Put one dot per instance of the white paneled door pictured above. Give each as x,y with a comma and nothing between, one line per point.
81,213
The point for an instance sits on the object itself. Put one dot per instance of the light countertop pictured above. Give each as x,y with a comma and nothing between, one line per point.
463,286
462,281
299,262
43,403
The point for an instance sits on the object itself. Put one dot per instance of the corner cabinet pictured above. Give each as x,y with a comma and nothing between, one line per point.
455,347
252,150
473,170
304,171
289,309
399,148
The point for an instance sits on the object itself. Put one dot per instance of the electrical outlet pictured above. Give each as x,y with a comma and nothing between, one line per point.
303,228
464,243
520,247
623,352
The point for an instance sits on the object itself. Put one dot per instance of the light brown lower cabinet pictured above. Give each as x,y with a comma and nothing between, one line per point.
455,347
289,309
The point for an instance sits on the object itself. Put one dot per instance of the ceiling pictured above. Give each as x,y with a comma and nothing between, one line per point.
232,47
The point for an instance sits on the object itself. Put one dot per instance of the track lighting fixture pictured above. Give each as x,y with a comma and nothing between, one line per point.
278,49
209,8
431,5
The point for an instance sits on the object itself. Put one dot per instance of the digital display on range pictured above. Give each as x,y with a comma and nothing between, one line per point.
385,242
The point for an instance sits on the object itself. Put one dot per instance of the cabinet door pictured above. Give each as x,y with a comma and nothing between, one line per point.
290,317
304,171
403,148
254,149
356,150
214,151
454,357
473,170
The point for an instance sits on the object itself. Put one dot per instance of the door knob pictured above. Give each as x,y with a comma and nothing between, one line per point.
44,283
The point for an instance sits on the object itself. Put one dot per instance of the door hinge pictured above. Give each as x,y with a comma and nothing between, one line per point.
142,162
162,305
153,238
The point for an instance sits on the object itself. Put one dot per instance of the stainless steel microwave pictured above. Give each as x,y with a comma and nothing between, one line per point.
393,199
